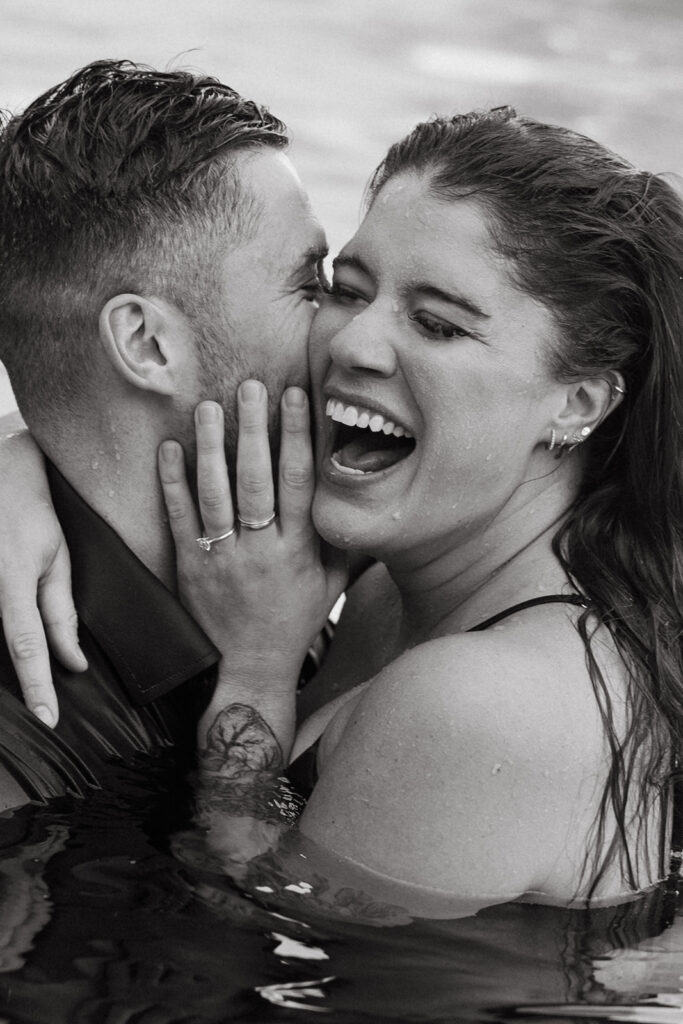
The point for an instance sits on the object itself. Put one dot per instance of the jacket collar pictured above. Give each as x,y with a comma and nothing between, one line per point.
152,642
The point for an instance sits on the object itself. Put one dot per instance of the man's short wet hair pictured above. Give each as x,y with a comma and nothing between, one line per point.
120,179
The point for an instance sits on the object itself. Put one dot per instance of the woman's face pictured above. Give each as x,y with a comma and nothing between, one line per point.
436,365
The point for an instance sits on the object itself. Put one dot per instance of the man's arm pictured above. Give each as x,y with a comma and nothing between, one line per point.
36,605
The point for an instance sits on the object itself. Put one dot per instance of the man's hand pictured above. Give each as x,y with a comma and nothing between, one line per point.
36,605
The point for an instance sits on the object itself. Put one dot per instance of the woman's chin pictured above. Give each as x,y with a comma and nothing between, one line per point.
343,526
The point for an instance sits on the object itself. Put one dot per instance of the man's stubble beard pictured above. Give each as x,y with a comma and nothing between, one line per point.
221,371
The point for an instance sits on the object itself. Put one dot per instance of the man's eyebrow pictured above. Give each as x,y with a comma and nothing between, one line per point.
453,297
309,259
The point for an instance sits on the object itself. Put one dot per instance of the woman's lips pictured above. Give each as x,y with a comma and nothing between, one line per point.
366,441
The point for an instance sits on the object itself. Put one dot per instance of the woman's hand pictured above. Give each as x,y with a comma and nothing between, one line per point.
35,574
261,593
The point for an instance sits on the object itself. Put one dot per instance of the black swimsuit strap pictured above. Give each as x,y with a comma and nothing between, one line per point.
577,599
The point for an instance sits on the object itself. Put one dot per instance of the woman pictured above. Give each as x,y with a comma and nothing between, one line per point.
497,380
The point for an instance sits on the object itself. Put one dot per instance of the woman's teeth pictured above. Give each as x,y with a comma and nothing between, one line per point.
352,416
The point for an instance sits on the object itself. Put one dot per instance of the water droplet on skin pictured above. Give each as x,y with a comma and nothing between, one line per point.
395,515
117,456
497,769
111,493
94,464
488,457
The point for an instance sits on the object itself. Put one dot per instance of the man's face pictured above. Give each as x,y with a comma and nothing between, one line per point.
270,292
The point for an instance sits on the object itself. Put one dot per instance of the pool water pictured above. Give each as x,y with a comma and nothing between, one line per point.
100,923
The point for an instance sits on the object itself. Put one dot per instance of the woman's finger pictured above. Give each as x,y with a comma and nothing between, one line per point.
182,516
296,480
255,490
213,486
58,611
27,646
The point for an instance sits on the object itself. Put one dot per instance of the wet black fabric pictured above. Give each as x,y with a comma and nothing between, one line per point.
150,668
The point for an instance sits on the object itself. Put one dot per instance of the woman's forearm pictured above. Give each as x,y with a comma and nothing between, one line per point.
243,800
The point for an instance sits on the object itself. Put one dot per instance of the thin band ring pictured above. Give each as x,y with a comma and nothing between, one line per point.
206,542
259,524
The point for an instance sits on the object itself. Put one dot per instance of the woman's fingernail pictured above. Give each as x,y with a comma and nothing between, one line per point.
170,451
207,412
42,712
295,398
251,391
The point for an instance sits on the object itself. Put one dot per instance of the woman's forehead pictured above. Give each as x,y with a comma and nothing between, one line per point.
408,231
407,208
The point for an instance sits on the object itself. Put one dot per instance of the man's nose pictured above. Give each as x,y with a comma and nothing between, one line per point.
365,345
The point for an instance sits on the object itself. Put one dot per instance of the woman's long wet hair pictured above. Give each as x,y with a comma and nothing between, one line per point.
600,244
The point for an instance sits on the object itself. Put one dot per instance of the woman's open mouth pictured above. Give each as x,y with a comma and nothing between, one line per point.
364,441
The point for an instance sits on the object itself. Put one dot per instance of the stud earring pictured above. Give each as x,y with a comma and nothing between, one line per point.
576,439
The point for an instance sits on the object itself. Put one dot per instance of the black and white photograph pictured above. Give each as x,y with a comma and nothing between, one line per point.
341,511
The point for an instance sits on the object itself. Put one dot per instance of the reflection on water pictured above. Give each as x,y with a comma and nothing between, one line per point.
100,923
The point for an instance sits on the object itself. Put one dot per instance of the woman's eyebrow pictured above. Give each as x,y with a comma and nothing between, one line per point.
355,262
455,298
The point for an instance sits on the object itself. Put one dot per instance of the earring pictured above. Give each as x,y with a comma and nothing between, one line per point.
560,447
553,440
577,438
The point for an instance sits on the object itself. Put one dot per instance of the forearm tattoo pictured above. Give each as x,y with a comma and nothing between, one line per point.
240,771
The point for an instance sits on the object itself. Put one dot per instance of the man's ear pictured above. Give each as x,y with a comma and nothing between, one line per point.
142,338
588,403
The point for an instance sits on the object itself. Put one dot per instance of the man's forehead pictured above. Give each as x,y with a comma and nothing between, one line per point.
286,221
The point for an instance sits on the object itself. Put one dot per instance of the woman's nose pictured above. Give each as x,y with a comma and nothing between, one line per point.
364,345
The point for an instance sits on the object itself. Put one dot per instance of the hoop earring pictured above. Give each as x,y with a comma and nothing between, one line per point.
553,440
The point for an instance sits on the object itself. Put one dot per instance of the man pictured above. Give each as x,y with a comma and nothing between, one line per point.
156,249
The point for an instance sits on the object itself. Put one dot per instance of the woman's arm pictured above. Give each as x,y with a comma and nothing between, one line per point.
36,605
262,594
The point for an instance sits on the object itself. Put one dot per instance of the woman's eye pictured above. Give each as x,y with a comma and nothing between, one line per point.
341,293
438,328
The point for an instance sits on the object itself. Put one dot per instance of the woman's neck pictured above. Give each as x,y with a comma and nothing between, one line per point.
507,560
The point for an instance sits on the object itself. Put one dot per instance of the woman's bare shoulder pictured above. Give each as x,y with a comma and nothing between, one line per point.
465,743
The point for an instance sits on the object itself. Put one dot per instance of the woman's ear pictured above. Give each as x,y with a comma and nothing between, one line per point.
143,340
588,403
